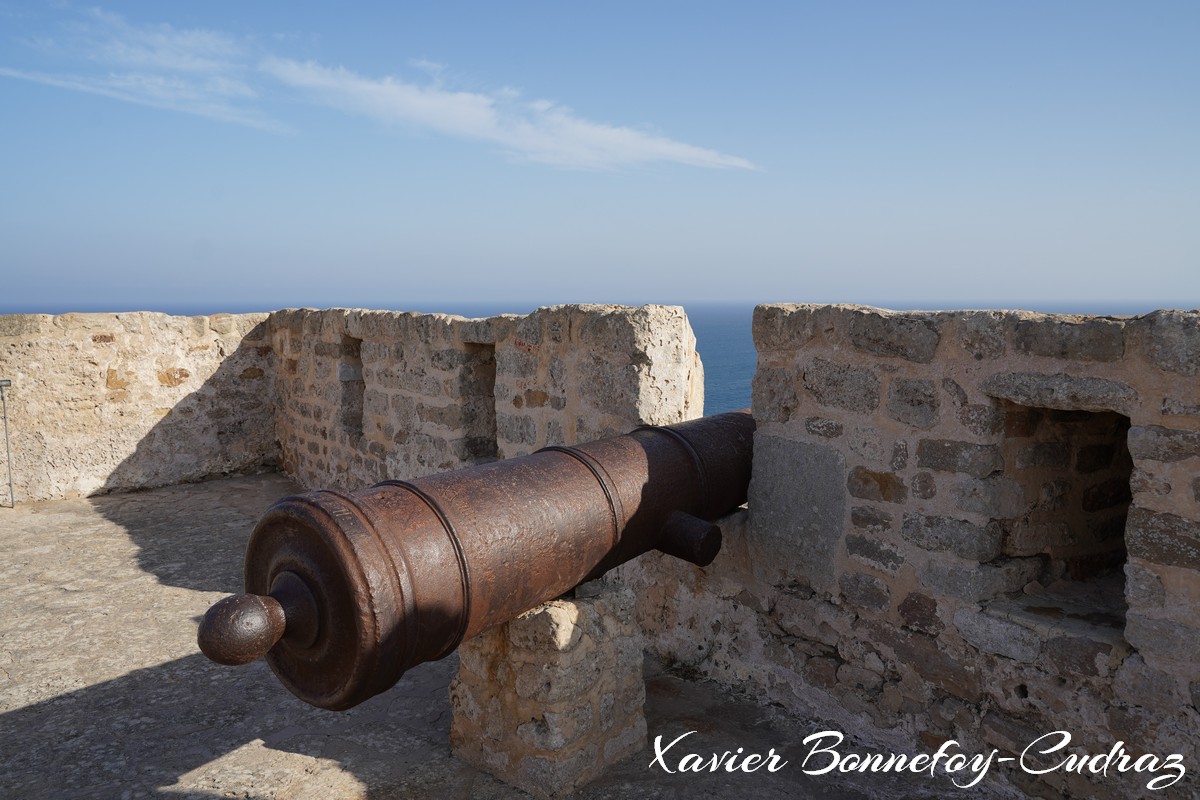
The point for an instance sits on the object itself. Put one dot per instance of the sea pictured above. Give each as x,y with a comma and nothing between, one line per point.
723,333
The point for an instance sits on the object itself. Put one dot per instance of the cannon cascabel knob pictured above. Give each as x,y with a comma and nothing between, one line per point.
241,628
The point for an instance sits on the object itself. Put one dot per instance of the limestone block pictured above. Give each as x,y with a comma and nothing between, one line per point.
797,508
551,699
1061,390
913,337
842,385
1082,338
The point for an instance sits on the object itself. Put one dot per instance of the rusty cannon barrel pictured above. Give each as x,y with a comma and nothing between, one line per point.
346,591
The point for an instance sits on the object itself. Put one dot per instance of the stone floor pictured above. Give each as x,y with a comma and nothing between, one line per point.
104,695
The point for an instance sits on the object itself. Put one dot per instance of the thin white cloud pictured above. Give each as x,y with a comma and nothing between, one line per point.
210,99
200,72
212,74
537,130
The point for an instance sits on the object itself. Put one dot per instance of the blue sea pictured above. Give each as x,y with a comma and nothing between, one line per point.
723,333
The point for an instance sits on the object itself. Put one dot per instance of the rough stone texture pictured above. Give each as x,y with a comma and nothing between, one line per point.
549,701
799,522
575,373
938,530
104,402
339,397
842,386
1061,391
909,336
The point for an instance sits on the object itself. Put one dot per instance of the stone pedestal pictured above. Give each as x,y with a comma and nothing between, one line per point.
548,701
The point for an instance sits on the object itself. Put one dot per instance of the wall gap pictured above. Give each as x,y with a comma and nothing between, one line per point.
478,391
1074,471
352,387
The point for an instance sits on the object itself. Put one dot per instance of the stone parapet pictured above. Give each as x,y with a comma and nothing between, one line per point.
962,525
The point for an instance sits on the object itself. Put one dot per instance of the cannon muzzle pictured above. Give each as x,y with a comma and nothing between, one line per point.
346,591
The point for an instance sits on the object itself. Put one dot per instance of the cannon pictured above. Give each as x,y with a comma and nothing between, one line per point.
346,591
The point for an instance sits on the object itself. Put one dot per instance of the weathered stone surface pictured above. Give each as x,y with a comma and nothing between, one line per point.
1163,639
1138,684
782,327
774,394
913,402
548,681
998,636
798,505
842,386
1163,538
921,653
1061,391
871,519
999,497
864,591
982,334
964,539
1163,444
913,337
919,612
981,420
899,456
882,486
924,486
1084,339
873,552
826,428
966,580
976,460
1172,341
1075,655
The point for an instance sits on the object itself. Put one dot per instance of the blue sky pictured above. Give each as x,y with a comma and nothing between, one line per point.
225,155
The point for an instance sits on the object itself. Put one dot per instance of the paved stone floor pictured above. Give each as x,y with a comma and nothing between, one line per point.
104,695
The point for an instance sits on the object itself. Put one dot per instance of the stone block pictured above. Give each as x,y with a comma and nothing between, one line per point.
774,394
981,420
871,519
1163,538
976,583
996,497
946,534
1163,444
782,327
1165,639
842,385
1061,391
1044,454
873,552
913,402
922,654
981,334
825,428
1073,338
1137,684
976,460
1077,655
1172,341
882,486
864,591
924,486
798,507
919,612
550,700
997,636
913,337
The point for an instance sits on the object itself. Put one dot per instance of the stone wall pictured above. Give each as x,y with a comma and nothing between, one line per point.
103,402
339,398
981,526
